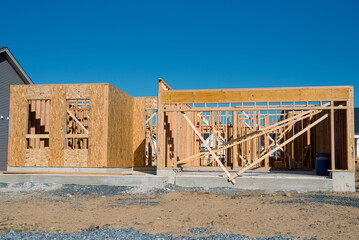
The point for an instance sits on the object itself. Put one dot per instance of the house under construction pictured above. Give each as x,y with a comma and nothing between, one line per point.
99,126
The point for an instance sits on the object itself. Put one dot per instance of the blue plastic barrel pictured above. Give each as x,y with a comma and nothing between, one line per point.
322,163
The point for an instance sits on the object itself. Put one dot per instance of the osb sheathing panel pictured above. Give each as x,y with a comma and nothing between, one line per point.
17,126
120,128
150,103
139,131
98,125
57,125
75,157
38,92
37,157
77,91
255,95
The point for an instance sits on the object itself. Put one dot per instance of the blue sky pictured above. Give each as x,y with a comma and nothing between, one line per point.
190,44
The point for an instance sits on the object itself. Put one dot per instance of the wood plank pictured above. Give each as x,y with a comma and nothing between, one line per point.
161,157
235,135
256,95
43,112
332,139
38,109
47,115
77,135
350,132
266,141
37,135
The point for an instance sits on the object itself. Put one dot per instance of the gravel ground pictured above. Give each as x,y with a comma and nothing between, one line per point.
129,234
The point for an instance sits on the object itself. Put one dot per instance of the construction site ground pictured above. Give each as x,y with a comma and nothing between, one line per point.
175,212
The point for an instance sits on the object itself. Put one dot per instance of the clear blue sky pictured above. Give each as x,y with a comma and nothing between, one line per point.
190,44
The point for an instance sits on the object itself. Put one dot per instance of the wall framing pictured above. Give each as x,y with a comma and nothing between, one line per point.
170,130
334,134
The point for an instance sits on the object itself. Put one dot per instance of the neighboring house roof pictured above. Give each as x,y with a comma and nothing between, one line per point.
356,121
20,71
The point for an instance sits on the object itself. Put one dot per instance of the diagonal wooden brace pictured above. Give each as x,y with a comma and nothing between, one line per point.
78,122
149,119
208,147
278,147
287,122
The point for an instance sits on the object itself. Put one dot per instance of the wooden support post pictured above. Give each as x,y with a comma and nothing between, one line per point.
160,130
207,146
332,139
175,140
266,141
235,135
278,147
350,131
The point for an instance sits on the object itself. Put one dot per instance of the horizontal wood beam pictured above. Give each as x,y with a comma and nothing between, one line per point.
76,135
259,108
257,95
37,135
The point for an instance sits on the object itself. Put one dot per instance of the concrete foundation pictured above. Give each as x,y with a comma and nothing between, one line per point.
343,181
170,173
83,169
259,179
127,180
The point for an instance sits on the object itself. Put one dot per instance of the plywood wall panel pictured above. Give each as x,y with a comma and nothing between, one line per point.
78,91
139,130
75,157
120,128
38,91
150,102
57,125
37,157
98,125
17,126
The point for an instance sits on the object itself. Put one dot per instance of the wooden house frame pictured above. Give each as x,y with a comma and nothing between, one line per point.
100,126
75,125
255,127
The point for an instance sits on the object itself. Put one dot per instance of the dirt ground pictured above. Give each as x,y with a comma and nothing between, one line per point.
255,214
